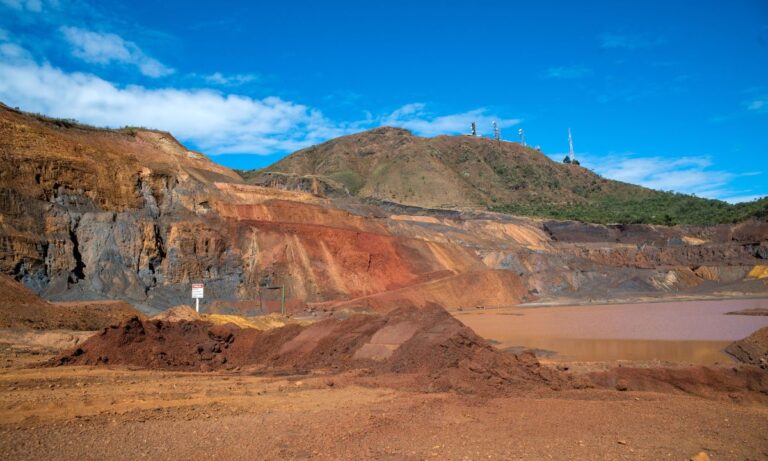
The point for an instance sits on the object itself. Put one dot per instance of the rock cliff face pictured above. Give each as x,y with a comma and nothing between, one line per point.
100,213
88,213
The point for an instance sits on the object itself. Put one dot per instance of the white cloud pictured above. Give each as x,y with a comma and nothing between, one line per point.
567,72
416,118
105,48
213,121
690,175
628,42
217,78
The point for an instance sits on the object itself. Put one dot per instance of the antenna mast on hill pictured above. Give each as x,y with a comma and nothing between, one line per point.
570,144
496,131
522,136
474,129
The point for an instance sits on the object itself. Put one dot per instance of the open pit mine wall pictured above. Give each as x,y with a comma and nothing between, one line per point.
66,235
143,235
89,214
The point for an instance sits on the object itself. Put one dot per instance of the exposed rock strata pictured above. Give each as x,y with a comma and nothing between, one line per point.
131,214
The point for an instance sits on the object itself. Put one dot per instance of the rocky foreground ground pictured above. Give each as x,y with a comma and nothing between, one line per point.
120,413
408,384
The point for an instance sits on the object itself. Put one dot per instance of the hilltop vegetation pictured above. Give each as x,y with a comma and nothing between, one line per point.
666,208
463,172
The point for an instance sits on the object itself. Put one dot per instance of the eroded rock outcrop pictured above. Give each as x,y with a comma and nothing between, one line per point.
132,214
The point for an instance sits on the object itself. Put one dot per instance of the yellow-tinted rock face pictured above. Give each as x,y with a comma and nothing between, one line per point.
758,272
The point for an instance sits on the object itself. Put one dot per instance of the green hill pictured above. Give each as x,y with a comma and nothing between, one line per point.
465,172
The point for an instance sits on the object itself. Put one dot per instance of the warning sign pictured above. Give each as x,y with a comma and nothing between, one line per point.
197,290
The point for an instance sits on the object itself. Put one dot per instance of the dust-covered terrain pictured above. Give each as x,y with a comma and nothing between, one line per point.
331,326
409,384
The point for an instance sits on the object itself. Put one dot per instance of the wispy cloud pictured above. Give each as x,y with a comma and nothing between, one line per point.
13,51
220,79
34,6
567,72
213,121
690,175
106,48
418,119
628,41
758,105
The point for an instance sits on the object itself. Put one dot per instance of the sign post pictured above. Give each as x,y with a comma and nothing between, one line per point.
197,294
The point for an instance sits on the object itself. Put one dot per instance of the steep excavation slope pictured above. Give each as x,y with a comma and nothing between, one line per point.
131,214
324,253
487,288
83,208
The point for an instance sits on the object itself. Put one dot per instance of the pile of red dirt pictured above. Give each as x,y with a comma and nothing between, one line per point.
20,307
752,350
742,382
420,348
747,382
428,346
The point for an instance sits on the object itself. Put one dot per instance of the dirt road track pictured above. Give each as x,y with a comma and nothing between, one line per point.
85,413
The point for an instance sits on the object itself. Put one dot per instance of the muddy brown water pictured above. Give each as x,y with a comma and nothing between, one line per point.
681,331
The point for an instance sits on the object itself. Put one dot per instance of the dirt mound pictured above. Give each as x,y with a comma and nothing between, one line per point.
427,346
752,350
709,382
20,307
94,315
43,341
179,313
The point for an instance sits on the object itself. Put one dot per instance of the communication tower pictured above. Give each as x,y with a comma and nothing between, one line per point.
474,129
570,145
522,136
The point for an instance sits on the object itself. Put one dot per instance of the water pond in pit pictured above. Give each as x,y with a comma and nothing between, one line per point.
681,331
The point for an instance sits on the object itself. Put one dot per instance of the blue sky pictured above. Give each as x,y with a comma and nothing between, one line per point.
671,95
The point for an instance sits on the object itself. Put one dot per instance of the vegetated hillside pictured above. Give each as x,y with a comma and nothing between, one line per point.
392,164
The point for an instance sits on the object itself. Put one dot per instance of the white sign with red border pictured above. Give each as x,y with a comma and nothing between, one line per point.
197,290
